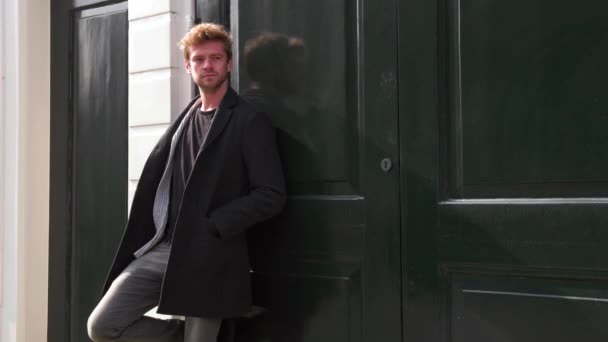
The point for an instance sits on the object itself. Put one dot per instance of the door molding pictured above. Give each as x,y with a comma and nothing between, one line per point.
61,168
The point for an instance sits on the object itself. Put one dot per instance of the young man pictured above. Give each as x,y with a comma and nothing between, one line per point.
212,175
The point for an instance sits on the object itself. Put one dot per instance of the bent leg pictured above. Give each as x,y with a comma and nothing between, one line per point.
201,329
119,314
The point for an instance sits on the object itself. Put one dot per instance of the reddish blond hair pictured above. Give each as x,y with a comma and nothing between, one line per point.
203,33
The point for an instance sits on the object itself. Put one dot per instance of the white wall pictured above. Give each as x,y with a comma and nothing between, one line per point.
159,87
24,160
8,177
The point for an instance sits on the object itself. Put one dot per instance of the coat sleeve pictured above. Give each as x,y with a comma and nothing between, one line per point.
266,196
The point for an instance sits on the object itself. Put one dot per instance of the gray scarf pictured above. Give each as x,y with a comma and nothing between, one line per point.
161,201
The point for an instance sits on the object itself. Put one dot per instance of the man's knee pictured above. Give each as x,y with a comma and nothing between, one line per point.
100,329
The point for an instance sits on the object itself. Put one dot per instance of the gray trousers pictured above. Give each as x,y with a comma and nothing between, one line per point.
119,316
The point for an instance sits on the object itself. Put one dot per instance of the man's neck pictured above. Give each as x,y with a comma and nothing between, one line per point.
210,99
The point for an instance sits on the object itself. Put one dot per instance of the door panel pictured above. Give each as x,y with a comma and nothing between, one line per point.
504,146
535,305
526,109
300,72
99,154
328,269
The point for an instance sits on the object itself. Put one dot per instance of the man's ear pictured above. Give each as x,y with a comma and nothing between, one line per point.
187,64
229,65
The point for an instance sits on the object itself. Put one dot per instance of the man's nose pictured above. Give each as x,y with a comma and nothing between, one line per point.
206,63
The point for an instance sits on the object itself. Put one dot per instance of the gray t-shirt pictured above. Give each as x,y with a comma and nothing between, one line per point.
186,150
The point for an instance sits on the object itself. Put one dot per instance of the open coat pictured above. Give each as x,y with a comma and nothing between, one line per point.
235,183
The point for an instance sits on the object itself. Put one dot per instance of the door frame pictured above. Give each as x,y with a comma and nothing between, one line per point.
61,163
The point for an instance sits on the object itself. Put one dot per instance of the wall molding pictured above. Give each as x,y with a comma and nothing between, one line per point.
25,160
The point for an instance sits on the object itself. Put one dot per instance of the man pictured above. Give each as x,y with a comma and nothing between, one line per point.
212,175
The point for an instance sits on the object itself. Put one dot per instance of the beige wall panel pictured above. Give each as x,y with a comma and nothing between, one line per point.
150,98
150,43
147,8
141,142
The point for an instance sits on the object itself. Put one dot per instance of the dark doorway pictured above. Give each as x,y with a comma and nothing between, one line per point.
90,135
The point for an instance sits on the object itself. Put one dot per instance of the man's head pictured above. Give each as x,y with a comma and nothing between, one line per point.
207,52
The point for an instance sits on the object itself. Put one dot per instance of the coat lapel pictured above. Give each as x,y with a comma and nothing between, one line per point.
164,143
220,120
222,116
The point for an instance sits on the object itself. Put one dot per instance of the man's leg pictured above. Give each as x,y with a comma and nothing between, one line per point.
202,329
119,314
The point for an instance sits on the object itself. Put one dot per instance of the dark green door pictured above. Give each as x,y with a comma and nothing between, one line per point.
329,268
503,118
99,174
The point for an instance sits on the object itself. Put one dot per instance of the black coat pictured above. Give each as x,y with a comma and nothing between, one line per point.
236,182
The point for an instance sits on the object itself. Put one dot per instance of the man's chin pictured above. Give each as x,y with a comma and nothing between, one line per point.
210,87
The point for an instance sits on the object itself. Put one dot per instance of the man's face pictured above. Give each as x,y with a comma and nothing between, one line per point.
209,65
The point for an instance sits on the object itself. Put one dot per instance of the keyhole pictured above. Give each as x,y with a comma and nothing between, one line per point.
386,164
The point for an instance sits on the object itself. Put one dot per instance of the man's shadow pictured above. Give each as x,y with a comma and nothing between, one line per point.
276,65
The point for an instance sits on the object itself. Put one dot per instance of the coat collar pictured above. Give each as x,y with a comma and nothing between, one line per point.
164,143
221,118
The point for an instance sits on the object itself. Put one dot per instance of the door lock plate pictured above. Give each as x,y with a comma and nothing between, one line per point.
386,164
